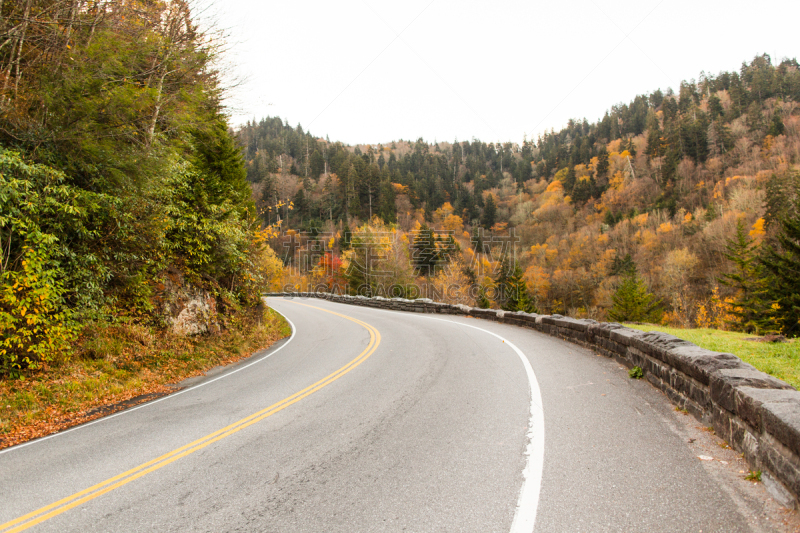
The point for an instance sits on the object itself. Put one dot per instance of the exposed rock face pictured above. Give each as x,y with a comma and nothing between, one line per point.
187,310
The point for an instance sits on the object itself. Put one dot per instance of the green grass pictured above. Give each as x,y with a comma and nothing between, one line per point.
781,360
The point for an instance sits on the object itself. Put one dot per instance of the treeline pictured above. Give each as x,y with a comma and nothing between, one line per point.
116,164
656,188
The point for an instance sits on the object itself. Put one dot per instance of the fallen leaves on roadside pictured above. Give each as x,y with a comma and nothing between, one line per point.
86,389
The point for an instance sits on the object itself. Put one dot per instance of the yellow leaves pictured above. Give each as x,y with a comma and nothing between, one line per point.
617,180
641,220
666,227
602,239
758,229
730,180
538,249
555,186
453,223
687,219
331,242
561,175
715,313
625,153
537,280
700,185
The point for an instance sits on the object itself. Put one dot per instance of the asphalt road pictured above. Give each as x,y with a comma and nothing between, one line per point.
368,420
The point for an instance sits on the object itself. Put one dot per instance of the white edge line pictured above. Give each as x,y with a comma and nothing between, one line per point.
528,501
148,404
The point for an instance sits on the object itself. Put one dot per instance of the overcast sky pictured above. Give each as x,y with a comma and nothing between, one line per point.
369,71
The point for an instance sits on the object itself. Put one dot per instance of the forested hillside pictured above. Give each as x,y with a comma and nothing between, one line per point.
116,168
679,207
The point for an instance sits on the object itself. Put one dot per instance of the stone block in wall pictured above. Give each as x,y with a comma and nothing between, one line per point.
781,420
698,362
738,433
604,329
748,402
724,383
781,465
623,336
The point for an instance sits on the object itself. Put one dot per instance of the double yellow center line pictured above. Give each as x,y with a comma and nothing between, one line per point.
65,504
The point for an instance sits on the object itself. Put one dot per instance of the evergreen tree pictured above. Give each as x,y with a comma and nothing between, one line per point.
300,204
344,241
501,283
623,266
482,301
602,163
633,302
776,126
784,266
569,179
782,195
518,298
424,252
751,307
489,213
216,155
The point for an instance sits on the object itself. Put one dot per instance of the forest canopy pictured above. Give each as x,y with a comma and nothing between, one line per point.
116,165
659,184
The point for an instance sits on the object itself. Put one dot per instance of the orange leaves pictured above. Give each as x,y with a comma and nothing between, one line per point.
758,229
617,180
666,227
555,186
537,280
641,220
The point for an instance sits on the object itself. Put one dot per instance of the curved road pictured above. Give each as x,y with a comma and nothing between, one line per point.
368,420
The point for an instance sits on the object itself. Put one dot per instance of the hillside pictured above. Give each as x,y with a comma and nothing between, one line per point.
657,186
122,192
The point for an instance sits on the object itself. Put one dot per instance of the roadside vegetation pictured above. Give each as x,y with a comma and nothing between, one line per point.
779,359
118,365
123,198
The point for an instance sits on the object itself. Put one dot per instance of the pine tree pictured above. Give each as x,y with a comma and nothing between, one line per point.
482,301
518,298
633,302
602,163
424,252
784,266
344,241
776,126
489,212
501,283
751,307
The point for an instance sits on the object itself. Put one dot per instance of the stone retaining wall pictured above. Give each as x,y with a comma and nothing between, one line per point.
757,414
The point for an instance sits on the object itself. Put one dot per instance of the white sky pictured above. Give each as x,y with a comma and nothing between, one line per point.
469,68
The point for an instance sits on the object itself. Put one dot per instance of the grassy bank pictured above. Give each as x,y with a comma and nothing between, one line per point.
781,360
117,366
